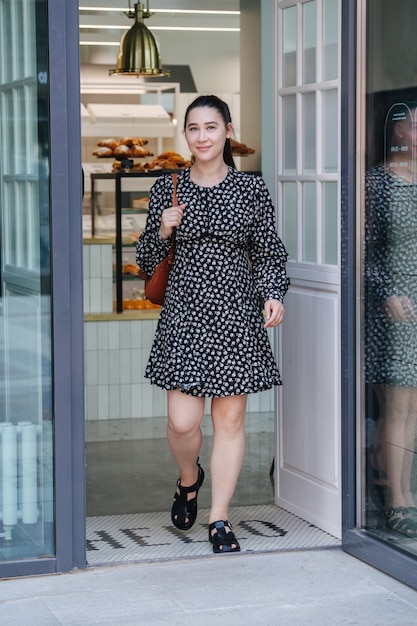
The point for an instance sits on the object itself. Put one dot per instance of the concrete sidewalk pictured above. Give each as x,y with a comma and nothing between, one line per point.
316,587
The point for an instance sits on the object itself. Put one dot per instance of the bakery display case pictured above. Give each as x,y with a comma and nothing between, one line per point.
119,204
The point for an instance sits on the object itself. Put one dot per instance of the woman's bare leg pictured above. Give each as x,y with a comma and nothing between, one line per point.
185,438
400,416
228,416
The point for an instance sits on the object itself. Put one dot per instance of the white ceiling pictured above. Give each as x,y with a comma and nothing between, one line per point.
102,22
208,43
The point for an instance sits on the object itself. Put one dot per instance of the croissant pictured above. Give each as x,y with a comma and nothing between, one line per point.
137,150
133,141
129,268
103,152
108,143
122,150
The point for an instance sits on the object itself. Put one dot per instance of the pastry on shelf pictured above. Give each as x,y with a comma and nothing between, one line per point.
240,149
108,143
125,147
138,167
138,151
169,160
103,152
129,268
122,150
133,141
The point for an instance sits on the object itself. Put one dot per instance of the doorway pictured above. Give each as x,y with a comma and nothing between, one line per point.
130,473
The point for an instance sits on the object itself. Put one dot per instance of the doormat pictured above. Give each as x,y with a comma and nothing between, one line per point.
152,537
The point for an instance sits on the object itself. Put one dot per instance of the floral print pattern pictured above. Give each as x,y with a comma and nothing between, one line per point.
391,270
210,340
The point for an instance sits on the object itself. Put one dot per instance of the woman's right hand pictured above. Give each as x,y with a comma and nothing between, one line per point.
399,309
171,218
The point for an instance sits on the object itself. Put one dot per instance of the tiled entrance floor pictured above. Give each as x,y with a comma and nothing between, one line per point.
151,536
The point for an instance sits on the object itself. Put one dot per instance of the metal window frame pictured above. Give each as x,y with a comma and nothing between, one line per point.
355,541
67,298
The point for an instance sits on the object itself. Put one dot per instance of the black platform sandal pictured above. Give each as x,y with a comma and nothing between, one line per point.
401,520
184,509
223,539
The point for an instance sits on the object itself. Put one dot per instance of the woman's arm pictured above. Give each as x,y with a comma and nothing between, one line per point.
266,250
151,248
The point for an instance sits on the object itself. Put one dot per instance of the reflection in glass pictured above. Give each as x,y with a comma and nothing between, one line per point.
391,328
309,133
289,47
289,215
26,404
289,139
309,42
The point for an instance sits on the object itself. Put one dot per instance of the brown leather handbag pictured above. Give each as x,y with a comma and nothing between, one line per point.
155,285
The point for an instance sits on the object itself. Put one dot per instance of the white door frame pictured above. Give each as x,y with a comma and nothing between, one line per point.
308,465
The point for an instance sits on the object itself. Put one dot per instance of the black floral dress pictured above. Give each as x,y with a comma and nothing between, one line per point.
391,270
210,340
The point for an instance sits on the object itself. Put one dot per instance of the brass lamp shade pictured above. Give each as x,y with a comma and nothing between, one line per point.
138,51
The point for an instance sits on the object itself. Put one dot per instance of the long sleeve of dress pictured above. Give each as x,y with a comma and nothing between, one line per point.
377,202
151,249
266,250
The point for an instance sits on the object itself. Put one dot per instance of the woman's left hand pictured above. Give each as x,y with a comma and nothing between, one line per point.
274,313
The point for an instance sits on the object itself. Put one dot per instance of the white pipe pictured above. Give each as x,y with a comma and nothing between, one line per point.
9,470
28,474
48,472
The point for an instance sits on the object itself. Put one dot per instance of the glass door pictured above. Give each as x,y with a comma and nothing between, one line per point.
26,403
387,367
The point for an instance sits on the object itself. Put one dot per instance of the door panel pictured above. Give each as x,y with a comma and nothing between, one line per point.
308,194
308,480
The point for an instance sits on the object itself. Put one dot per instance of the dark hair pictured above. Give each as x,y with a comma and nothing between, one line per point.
215,103
397,112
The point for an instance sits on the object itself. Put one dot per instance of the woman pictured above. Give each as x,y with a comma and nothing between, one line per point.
391,301
211,339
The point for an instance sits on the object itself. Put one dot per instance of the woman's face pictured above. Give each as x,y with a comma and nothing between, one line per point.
206,133
405,134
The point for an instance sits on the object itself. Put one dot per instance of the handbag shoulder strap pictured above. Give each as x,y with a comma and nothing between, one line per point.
174,194
174,203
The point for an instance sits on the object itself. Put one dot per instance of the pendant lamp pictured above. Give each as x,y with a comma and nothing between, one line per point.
138,50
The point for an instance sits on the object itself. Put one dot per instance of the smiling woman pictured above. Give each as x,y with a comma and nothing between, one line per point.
211,340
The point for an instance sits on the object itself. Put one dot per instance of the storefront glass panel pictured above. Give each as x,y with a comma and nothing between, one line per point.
26,403
388,312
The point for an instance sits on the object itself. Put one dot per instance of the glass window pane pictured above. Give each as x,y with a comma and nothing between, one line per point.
289,138
5,39
330,224
309,133
26,406
19,43
309,223
309,42
330,132
330,39
387,480
289,214
289,47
